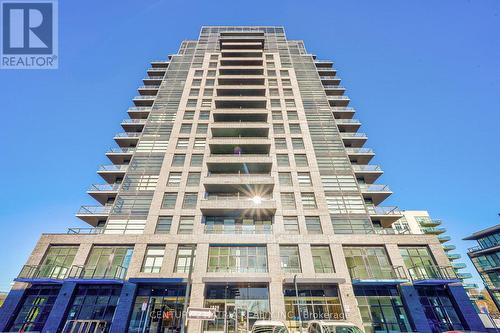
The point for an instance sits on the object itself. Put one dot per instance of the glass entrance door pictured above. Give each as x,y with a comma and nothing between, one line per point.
236,320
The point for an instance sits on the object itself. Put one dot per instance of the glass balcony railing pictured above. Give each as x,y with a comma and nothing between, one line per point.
114,167
120,150
458,265
85,231
238,197
454,256
350,150
342,109
134,121
152,86
338,97
125,135
464,276
103,187
347,121
154,78
113,272
94,210
374,188
43,272
383,210
332,86
352,135
368,167
139,108
433,230
329,77
378,273
239,229
145,97
419,273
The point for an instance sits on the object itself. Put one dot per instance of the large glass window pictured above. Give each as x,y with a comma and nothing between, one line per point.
290,258
238,225
94,302
157,309
368,263
381,309
186,225
291,225
489,241
420,263
57,262
322,259
439,309
163,225
36,305
169,200
311,302
153,259
240,259
313,225
183,259
108,262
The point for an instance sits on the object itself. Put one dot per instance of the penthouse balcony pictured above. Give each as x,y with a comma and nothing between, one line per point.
369,173
149,90
120,155
338,101
375,192
343,112
110,173
348,125
139,112
133,125
360,155
153,80
231,204
127,139
93,214
366,275
386,215
103,192
144,100
431,275
353,139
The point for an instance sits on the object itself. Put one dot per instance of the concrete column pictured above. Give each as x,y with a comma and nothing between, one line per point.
414,308
57,315
350,304
11,303
196,300
276,300
467,311
124,308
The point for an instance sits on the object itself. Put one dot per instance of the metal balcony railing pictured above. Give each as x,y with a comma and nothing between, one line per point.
120,150
134,121
419,273
44,272
367,167
128,135
383,210
146,97
94,210
114,167
332,86
338,97
350,150
152,86
347,121
103,187
350,135
329,77
85,231
114,272
374,188
154,78
378,273
139,108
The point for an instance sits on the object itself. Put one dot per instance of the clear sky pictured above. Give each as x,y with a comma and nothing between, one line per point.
424,77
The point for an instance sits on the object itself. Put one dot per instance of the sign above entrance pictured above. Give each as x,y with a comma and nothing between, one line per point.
201,313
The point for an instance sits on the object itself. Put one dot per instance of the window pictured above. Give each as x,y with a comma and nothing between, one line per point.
297,143
178,160
214,57
57,262
322,259
313,225
275,103
183,260
273,82
270,64
209,83
301,160
284,73
369,262
288,200
153,259
271,73
191,103
196,82
304,178
285,178
290,258
211,73
288,92
208,92
202,128
174,179
212,64
238,225
283,160
182,143
198,73
295,129
186,225
274,92
185,129
279,129
277,115
189,201
193,179
286,82
308,200
169,200
94,302
194,92
206,103
163,225
280,143
188,115
269,57
196,160
241,259
291,225
419,262
292,115
290,103
199,143
204,115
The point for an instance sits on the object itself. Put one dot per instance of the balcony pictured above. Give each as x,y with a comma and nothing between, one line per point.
449,247
218,182
144,100
120,155
133,125
334,90
242,54
370,173
478,248
85,272
327,71
42,273
433,230
235,71
160,63
139,112
229,145
464,276
251,163
453,256
458,265
127,139
153,80
241,82
93,214
239,61
386,215
343,113
360,155
156,71
432,274
348,125
250,229
236,115
330,79
367,275
85,231
338,101
235,204
111,172
240,130
375,192
235,102
430,223
323,63
444,238
354,139
103,192
149,90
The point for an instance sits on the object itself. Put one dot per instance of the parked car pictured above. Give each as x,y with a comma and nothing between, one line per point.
332,326
269,326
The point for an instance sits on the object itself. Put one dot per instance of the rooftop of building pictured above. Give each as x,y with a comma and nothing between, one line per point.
484,232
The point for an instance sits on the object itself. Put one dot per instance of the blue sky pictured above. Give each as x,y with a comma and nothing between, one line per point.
424,77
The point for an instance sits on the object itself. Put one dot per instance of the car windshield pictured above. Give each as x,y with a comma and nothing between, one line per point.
269,329
341,329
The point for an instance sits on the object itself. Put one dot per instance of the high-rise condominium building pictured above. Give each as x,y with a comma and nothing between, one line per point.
240,183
